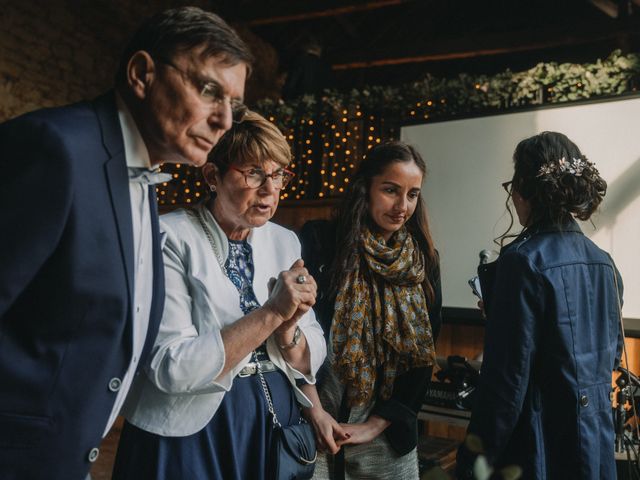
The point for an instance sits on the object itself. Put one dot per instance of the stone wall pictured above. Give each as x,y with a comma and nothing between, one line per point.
54,52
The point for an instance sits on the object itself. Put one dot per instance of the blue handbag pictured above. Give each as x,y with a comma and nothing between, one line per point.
293,451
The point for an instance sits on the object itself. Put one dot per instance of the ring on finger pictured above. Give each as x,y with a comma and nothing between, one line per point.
301,279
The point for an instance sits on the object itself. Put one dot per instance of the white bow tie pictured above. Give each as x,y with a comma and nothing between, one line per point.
148,177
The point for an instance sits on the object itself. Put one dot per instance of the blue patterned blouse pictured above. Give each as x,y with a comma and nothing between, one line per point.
239,269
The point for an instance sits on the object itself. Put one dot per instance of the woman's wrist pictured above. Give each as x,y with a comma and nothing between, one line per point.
378,423
288,338
312,413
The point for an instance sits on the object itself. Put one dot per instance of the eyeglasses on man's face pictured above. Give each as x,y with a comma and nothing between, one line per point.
256,177
212,91
508,186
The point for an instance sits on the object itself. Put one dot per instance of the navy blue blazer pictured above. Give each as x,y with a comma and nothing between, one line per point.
552,341
66,286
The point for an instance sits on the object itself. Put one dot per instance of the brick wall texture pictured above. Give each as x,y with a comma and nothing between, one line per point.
54,52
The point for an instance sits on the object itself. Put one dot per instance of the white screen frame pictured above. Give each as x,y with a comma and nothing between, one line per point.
468,158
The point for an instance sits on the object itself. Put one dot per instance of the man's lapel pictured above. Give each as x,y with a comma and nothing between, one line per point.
118,182
157,303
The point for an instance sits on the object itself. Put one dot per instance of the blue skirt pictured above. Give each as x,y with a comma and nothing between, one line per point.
233,445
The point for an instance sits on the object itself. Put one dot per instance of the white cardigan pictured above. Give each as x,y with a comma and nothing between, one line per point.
179,394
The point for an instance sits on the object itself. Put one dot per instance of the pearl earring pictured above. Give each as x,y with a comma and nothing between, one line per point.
212,188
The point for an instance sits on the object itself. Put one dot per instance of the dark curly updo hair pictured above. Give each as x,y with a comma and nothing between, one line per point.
556,179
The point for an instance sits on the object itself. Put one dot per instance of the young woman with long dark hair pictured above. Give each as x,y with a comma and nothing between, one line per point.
379,305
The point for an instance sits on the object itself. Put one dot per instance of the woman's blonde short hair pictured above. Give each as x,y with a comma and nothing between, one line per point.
254,138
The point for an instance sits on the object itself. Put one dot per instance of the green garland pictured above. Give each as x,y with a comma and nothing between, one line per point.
463,94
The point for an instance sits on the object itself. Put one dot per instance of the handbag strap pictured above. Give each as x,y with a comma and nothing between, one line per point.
265,389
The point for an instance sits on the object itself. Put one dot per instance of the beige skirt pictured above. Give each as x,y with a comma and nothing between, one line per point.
373,460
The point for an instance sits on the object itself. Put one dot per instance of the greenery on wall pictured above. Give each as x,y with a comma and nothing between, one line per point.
546,82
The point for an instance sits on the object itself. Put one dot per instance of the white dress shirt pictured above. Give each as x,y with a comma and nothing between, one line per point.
182,389
137,156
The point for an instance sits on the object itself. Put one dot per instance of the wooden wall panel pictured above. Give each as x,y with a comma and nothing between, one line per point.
294,214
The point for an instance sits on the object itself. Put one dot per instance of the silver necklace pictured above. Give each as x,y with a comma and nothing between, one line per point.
200,217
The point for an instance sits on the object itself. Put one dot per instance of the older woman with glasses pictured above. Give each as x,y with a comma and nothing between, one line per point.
200,409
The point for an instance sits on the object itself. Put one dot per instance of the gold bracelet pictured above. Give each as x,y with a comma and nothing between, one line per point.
294,342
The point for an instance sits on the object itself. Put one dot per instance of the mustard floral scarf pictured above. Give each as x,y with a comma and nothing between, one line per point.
381,329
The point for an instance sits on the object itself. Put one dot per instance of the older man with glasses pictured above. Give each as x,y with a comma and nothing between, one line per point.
81,283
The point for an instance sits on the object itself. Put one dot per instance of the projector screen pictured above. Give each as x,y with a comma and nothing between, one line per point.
468,159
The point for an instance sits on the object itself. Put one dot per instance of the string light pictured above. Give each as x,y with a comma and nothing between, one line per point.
334,156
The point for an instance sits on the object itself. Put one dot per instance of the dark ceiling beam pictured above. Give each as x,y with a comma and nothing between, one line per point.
506,44
348,27
610,7
331,12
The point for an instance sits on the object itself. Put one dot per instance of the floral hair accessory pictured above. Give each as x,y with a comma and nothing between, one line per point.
575,166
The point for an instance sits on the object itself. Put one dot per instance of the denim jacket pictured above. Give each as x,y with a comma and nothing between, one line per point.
552,341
